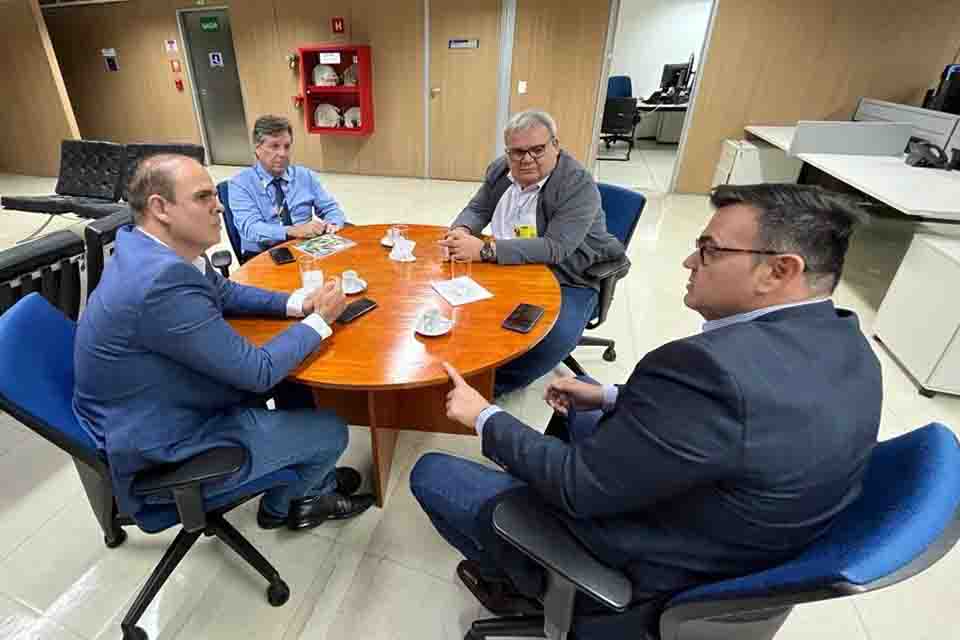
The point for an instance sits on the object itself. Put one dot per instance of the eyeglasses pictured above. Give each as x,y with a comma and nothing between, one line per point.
536,152
706,249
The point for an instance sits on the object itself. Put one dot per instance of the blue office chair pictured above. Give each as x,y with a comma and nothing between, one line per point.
619,87
622,208
36,388
906,519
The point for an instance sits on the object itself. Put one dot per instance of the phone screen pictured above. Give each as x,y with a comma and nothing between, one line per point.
523,318
281,255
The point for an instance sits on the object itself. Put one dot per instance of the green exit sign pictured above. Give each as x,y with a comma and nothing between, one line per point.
209,24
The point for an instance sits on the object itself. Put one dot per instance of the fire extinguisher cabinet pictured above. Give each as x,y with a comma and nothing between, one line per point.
336,89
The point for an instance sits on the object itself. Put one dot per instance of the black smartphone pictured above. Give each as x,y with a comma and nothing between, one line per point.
356,309
281,255
523,318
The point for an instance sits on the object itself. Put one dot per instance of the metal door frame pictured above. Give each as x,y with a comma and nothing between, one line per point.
197,109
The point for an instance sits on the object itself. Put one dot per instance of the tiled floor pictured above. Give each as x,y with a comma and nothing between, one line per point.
650,167
386,574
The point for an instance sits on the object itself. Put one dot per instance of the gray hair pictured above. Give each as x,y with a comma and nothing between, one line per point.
807,220
155,175
528,119
270,126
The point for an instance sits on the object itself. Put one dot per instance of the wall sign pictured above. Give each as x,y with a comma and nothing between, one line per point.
337,25
209,24
330,58
463,43
175,66
110,59
216,59
170,46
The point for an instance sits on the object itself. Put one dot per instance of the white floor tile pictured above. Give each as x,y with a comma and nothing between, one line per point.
17,622
828,620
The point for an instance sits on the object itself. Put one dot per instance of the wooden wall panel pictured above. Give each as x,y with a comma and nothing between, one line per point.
138,103
36,110
558,50
780,61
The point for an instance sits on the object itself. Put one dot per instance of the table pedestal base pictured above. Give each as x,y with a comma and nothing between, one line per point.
387,411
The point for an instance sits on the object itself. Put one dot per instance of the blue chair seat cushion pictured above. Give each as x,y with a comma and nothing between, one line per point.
157,517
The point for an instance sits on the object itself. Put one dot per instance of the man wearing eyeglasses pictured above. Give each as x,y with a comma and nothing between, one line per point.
542,207
723,454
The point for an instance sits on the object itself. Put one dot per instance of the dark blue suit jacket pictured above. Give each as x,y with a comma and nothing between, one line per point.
727,452
155,360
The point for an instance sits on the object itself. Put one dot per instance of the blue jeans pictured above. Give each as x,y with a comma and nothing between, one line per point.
576,309
459,496
307,441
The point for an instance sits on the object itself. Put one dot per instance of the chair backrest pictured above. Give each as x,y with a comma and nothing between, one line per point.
91,169
905,520
619,87
618,115
139,150
622,208
100,236
223,192
36,375
50,265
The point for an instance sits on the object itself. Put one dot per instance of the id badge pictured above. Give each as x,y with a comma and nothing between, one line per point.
525,231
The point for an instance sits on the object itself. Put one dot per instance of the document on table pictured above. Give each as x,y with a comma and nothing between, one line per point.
462,290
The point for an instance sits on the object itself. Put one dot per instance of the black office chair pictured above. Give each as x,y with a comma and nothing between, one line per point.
100,236
36,388
223,192
622,208
619,123
906,519
51,266
132,155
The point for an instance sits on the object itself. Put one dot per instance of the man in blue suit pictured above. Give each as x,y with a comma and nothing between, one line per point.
724,453
161,376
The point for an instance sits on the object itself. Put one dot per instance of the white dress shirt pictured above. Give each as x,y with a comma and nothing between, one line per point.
517,207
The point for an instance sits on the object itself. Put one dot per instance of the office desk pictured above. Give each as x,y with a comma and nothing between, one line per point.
931,194
662,121
376,371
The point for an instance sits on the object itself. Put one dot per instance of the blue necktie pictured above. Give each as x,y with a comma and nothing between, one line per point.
281,201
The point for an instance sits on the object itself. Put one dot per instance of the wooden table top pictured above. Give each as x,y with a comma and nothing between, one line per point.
380,350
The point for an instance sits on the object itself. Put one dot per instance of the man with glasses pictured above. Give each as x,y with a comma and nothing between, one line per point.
542,207
723,454
274,201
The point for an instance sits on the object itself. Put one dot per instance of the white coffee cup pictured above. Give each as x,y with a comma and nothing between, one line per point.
351,280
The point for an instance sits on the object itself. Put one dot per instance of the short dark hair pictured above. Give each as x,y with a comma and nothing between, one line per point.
154,175
270,126
807,220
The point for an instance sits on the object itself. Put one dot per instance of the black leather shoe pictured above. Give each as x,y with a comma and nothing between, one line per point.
348,480
268,521
307,513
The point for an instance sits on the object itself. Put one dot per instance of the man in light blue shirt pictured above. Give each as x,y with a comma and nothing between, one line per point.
274,201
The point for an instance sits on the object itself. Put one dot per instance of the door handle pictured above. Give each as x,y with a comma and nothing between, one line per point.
203,92
434,92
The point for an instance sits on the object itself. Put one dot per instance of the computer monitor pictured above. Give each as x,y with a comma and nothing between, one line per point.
674,76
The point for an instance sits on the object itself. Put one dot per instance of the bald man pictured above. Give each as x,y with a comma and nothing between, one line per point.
161,376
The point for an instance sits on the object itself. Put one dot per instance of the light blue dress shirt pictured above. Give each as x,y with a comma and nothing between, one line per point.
253,203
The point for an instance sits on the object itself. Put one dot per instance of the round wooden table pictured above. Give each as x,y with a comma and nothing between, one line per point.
377,371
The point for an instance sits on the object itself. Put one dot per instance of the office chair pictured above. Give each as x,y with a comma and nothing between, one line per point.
132,155
100,236
223,192
622,208
906,519
619,87
36,388
51,265
619,123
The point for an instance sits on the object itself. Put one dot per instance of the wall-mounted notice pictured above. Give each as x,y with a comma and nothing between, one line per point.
464,43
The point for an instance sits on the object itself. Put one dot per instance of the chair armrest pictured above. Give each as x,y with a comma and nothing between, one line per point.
186,479
210,465
528,526
610,268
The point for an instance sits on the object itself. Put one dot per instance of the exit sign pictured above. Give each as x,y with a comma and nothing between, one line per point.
209,24
337,25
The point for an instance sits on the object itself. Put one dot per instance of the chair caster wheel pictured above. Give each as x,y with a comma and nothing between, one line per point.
134,633
609,354
278,593
927,393
119,538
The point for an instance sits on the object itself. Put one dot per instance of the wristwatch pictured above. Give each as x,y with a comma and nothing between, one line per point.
489,252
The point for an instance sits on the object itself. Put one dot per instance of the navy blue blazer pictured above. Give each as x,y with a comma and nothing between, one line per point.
727,452
155,360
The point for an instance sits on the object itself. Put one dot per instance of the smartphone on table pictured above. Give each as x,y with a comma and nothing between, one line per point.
281,255
523,318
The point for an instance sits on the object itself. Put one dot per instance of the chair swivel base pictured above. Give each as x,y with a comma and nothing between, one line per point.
508,627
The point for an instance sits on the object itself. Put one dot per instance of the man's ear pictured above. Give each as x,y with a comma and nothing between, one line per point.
781,270
157,206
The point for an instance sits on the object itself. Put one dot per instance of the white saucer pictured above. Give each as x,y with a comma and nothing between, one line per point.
350,291
387,242
439,332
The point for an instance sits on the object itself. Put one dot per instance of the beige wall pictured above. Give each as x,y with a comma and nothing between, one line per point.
558,50
36,113
779,61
